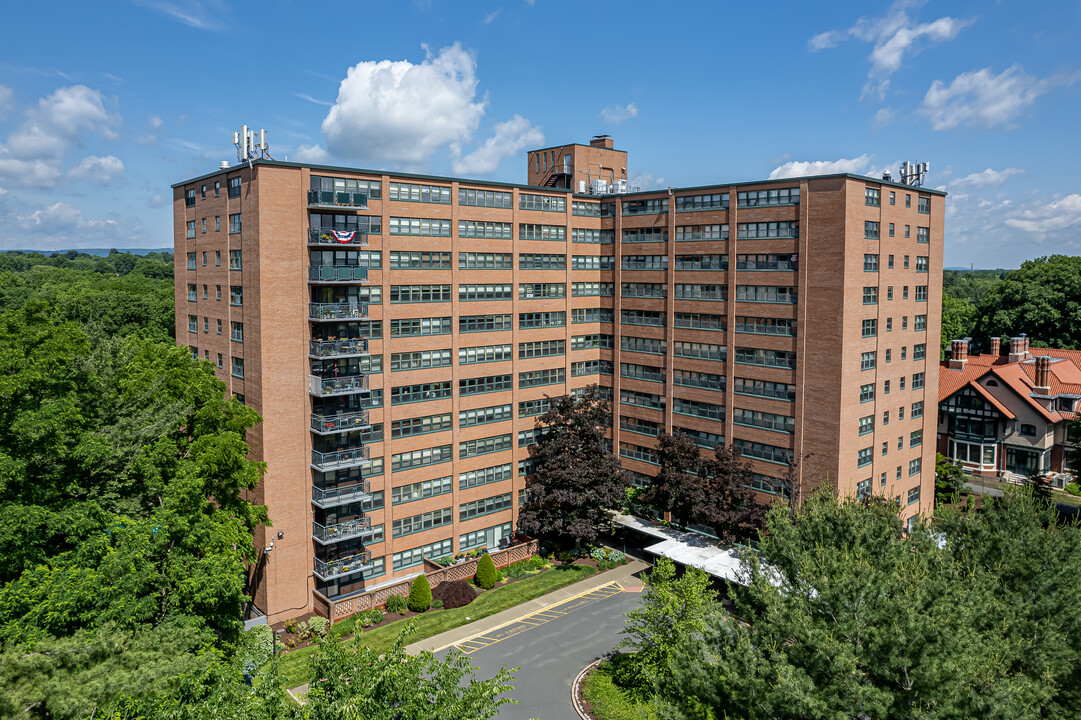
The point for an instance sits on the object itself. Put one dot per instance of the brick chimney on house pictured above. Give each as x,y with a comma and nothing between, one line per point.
1043,375
996,346
958,354
1019,348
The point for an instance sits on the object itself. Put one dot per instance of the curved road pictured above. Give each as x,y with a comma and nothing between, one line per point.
551,647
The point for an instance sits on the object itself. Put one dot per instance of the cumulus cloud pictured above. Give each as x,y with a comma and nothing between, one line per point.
103,170
884,116
797,168
893,36
646,181
399,112
34,173
987,178
510,138
7,101
311,154
985,99
1052,217
154,126
62,225
618,113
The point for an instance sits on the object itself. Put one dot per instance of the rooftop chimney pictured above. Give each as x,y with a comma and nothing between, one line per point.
958,354
1019,348
996,346
601,141
1043,375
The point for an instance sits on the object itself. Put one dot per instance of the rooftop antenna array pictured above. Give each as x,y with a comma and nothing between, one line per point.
248,149
913,173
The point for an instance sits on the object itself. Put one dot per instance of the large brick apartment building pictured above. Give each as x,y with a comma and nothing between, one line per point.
399,333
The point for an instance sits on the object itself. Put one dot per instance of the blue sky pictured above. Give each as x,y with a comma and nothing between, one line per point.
104,105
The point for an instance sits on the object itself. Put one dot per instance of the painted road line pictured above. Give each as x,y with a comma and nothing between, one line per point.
516,627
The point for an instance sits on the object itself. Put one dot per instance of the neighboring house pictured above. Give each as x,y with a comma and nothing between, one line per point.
1010,414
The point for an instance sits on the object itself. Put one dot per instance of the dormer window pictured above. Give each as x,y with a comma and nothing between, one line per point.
1065,404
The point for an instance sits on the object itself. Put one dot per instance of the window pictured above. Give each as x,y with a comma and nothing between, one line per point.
784,229
484,446
923,205
645,207
193,293
710,381
484,261
542,232
596,237
408,192
640,426
542,348
420,425
906,262
474,229
889,324
891,230
419,293
190,229
655,318
238,367
642,345
764,294
765,358
234,187
542,203
919,352
204,226
639,235
408,558
917,381
217,258
189,198
893,197
904,322
592,262
704,321
870,296
529,408
191,261
759,198
886,387
785,261
713,201
873,197
915,438
541,377
863,489
867,361
768,421
637,452
585,209
891,262
206,325
682,406
870,328
470,293
701,232
908,200
914,466
542,319
485,198
870,230
889,292
717,262
870,263
483,323
419,393
761,451
489,383
419,458
908,231
219,327
531,291
419,226
420,490
641,399
761,388
919,322
486,506
425,521
641,372
923,235
220,365
193,323
1028,430
537,261
644,262
483,354
886,418
217,223
867,392
653,290
885,449
921,293
235,260
419,359
593,315
236,295
419,260
889,355
483,476
411,327
484,415
234,223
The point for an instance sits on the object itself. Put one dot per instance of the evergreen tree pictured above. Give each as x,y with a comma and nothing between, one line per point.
577,480
420,594
485,576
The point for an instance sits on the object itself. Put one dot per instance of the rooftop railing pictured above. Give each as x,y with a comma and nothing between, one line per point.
336,273
343,422
338,532
335,236
338,459
337,348
327,387
338,311
343,495
330,569
331,198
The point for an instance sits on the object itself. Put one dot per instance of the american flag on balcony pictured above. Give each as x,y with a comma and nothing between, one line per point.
344,236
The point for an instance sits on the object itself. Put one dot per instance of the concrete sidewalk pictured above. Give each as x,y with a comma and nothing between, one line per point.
479,627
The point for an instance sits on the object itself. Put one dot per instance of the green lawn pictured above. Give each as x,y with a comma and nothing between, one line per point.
293,666
610,701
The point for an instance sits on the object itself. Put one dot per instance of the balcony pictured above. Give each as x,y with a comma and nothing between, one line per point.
340,458
360,527
333,497
345,422
337,273
337,348
330,569
339,199
336,237
329,387
338,311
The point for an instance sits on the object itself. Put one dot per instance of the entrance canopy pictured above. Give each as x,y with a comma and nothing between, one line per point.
689,549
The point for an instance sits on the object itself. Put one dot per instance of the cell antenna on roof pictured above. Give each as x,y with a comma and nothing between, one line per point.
248,149
913,173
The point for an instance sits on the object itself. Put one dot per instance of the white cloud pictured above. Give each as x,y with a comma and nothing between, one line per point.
646,181
618,113
510,138
311,154
492,16
317,101
983,98
34,173
987,178
893,36
74,108
155,123
156,201
399,112
7,101
193,13
821,167
102,170
3,192
1052,217
62,225
884,116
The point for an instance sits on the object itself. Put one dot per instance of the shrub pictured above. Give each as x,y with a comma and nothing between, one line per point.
291,625
437,604
302,630
1073,488
445,561
318,627
454,594
486,576
368,618
396,604
257,647
565,556
420,594
537,562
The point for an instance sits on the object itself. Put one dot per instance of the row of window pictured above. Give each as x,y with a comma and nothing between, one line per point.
870,294
872,231
873,198
234,191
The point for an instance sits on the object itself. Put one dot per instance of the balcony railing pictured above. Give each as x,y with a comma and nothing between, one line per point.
338,311
330,569
341,531
336,273
330,198
332,497
330,424
327,387
337,348
338,459
334,236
